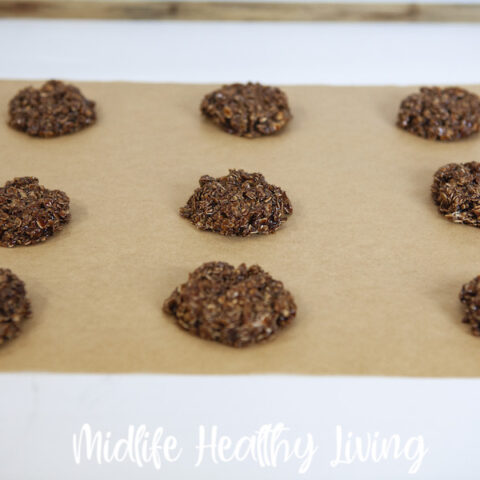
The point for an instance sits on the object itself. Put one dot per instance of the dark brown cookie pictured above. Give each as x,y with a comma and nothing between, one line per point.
233,306
54,109
440,114
470,297
14,306
456,191
29,213
250,110
239,204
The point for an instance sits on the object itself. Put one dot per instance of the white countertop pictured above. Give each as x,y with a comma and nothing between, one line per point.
214,52
40,413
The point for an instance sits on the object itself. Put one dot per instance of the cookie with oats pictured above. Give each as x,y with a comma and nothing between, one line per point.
14,305
470,297
247,110
234,306
30,213
446,114
456,192
54,109
239,203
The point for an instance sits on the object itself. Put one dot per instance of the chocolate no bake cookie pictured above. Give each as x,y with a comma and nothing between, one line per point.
14,306
470,297
247,110
441,114
456,192
234,306
54,109
239,204
29,213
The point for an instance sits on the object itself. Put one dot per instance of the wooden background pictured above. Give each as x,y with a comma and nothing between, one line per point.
185,10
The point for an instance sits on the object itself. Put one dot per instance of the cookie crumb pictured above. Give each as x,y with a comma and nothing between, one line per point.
54,109
247,110
30,213
234,306
446,114
14,305
239,203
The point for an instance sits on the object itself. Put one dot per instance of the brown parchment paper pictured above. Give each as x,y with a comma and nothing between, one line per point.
374,268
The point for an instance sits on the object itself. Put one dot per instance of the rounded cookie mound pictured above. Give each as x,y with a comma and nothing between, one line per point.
239,204
440,114
470,297
234,306
247,110
14,306
29,213
456,192
54,109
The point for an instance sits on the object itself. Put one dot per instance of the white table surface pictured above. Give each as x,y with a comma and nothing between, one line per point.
39,413
201,52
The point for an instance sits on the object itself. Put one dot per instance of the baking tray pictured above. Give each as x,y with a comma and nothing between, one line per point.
375,270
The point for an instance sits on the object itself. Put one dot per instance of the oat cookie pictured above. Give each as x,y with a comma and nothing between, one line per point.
234,306
440,114
247,110
456,191
239,204
29,213
54,109
14,306
470,297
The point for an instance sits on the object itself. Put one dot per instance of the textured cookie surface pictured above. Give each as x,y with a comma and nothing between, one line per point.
456,192
30,213
239,204
247,110
234,306
470,297
440,114
54,109
14,306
